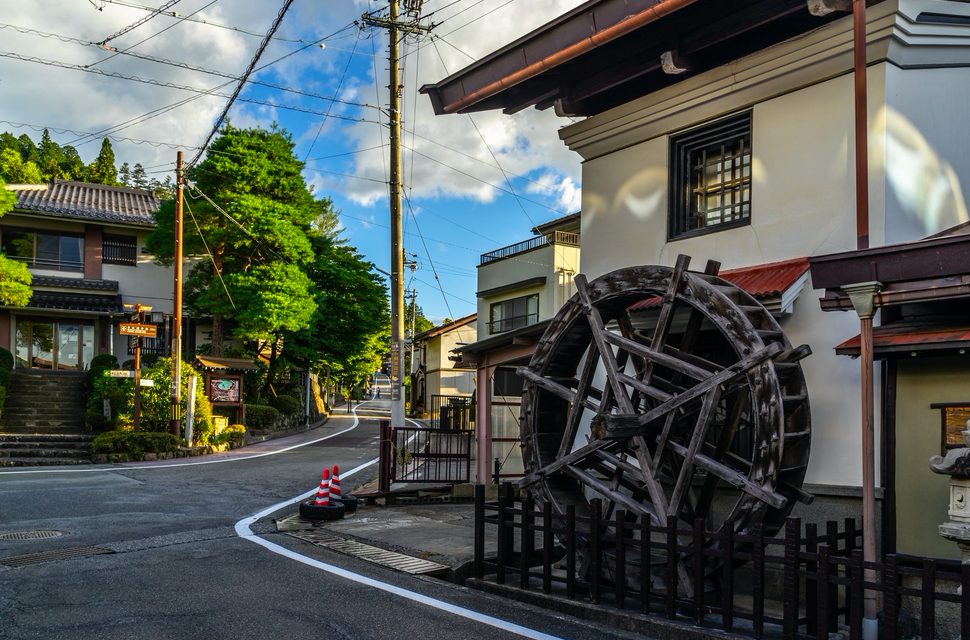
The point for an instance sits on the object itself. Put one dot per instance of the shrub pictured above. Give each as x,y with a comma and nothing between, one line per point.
155,401
134,442
260,416
234,434
117,391
287,405
101,363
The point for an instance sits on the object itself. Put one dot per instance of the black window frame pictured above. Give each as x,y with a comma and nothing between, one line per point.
511,323
684,147
52,264
124,249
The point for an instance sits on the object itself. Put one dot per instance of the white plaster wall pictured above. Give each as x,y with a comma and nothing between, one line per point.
927,151
803,203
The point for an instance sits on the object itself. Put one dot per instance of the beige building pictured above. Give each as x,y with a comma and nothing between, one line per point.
739,148
436,380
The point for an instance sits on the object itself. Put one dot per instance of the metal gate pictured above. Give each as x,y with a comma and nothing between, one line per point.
422,454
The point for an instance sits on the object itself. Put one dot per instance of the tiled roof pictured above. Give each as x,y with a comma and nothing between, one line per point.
445,328
909,338
74,283
75,302
761,281
86,201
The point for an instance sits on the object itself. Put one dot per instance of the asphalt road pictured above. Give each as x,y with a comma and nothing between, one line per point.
186,562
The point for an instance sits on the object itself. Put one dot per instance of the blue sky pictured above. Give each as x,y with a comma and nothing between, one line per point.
473,183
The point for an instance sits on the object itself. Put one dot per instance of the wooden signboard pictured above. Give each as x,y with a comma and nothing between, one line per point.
138,329
225,389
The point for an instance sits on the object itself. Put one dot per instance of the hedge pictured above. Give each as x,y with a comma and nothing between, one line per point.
134,442
6,366
261,416
287,405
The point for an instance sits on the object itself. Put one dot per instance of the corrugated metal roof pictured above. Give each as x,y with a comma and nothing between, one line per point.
87,201
230,364
761,281
909,338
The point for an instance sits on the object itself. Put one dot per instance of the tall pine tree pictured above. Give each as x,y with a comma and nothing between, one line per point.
102,170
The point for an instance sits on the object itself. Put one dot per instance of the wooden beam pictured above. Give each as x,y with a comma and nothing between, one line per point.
553,387
733,477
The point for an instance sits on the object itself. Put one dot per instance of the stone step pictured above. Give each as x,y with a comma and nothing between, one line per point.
40,412
36,444
49,426
45,437
35,452
39,462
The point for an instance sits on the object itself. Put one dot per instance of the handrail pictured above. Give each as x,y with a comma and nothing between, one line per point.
557,237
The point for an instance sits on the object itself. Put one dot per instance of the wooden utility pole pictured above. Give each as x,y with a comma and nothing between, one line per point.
395,27
176,350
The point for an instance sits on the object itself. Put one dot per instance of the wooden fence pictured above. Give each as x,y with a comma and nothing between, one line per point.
792,585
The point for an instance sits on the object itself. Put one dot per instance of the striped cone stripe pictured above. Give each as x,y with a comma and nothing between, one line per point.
335,484
323,493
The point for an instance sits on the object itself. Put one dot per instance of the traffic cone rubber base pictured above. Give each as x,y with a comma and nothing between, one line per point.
333,511
349,502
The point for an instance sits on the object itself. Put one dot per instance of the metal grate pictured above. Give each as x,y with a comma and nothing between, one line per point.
41,534
52,556
390,559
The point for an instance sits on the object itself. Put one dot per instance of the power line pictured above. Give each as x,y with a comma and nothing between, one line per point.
157,33
138,23
181,87
340,85
180,65
209,253
209,23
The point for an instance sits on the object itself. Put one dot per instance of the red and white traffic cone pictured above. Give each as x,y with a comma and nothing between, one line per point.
349,502
320,507
324,491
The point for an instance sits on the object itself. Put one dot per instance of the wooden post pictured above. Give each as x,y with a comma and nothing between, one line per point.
175,395
793,527
137,402
479,562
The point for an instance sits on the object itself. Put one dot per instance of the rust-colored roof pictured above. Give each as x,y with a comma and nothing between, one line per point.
761,281
228,364
909,338
448,326
87,201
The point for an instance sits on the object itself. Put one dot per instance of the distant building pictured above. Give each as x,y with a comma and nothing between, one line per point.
436,380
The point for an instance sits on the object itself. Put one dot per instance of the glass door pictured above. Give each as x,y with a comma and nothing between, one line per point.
45,344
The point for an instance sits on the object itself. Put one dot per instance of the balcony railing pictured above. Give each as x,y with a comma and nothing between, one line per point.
513,322
558,237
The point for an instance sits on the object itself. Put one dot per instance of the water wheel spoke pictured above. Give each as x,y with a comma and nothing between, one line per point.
725,439
583,389
572,458
732,476
663,357
621,427
701,426
599,334
650,481
555,388
662,328
604,489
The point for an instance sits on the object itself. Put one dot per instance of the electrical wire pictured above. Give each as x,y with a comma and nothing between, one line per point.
140,22
340,85
209,253
157,33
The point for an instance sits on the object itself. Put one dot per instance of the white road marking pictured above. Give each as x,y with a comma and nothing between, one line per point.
244,531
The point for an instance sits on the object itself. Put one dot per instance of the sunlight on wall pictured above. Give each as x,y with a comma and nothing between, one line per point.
925,185
644,194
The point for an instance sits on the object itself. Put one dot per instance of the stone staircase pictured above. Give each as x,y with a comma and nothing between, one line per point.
42,422
35,449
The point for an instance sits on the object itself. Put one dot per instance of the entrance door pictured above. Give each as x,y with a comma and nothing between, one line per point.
46,344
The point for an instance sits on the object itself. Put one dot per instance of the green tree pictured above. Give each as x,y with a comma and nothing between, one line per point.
72,167
257,236
14,276
138,178
50,156
14,169
349,331
124,174
28,150
102,170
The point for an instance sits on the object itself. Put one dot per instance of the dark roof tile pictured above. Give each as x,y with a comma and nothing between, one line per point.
86,201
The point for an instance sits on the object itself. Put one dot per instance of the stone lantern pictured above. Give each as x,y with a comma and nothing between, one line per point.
956,464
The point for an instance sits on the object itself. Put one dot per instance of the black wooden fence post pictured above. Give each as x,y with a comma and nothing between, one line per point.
928,604
965,600
478,569
793,530
811,584
595,561
505,531
758,559
822,589
527,545
547,542
619,575
570,550
646,549
698,552
727,579
890,599
671,573
856,595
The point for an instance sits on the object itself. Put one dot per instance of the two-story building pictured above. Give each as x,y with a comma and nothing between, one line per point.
85,247
725,131
520,287
437,382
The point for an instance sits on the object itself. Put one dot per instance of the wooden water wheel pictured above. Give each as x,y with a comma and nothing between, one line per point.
694,408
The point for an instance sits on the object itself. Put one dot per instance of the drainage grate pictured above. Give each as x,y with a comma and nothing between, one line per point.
42,534
52,556
391,559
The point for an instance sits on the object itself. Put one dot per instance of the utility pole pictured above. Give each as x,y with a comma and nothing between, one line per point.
176,390
395,27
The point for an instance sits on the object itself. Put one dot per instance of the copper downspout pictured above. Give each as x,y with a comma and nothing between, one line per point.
628,25
870,604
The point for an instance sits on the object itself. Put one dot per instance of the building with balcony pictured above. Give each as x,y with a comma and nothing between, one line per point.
440,387
520,287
